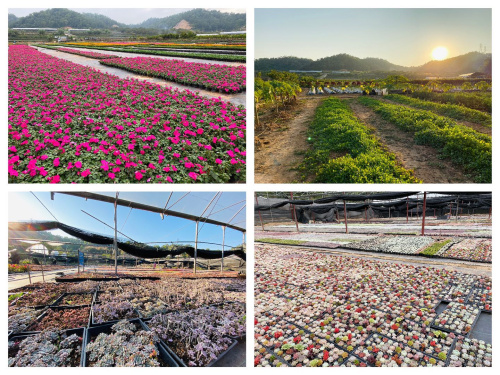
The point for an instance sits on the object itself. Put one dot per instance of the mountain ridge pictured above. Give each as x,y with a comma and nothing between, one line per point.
198,19
462,64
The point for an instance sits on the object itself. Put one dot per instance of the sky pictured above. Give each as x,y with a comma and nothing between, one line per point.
401,36
142,226
124,15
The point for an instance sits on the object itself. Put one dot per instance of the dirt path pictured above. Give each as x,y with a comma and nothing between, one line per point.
424,160
279,152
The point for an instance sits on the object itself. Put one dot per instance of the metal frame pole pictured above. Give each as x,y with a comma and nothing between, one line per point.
423,214
29,274
294,213
195,247
115,239
223,238
345,217
406,210
260,215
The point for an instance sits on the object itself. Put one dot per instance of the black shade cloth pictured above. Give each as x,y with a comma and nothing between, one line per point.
474,200
133,248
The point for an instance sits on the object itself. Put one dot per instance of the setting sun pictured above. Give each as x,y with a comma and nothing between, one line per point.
439,53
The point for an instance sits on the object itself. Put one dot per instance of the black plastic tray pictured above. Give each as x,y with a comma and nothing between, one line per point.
106,328
82,332
94,323
59,300
181,363
41,316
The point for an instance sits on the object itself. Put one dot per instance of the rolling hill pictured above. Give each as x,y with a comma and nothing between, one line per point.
61,17
468,63
200,20
197,20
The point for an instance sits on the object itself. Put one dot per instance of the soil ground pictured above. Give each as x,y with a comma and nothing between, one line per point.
279,152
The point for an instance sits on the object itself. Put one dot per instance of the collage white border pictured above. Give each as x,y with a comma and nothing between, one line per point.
249,187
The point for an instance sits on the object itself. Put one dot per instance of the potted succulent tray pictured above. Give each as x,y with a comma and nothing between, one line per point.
125,343
32,354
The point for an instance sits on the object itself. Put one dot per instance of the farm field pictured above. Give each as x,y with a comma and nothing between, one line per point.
424,139
172,135
360,279
319,309
381,107
135,320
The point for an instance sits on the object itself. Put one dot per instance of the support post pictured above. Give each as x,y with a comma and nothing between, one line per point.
345,217
294,213
78,260
223,238
29,273
115,239
423,214
260,215
456,214
406,210
195,247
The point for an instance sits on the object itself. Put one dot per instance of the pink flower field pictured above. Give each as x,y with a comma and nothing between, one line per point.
93,55
224,78
73,124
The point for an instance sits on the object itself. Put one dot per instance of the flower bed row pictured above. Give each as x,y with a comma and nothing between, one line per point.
73,124
224,78
320,310
469,249
91,54
476,250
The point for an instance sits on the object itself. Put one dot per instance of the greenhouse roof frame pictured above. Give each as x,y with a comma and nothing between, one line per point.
145,207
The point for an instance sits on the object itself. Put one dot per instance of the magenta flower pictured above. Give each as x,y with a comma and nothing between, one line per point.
61,114
193,175
55,179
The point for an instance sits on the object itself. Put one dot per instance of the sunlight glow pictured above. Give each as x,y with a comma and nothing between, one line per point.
440,53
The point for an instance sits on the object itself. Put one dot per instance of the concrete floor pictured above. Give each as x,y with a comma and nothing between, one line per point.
236,356
22,279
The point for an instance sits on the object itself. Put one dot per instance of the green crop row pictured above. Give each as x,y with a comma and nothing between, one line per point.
335,130
480,101
454,111
435,247
280,241
194,55
228,47
464,146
